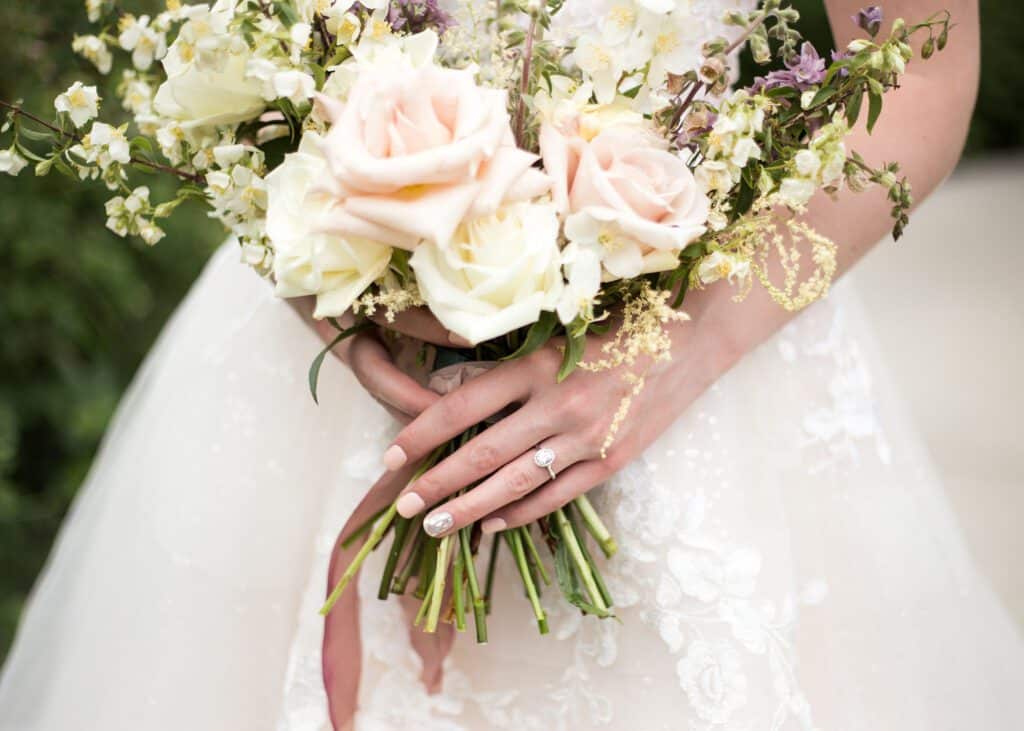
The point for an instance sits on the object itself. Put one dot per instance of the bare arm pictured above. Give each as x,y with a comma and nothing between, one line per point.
923,126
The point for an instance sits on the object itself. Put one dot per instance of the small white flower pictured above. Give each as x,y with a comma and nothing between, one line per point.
796,192
11,162
295,86
807,163
145,43
95,51
583,274
80,102
720,265
299,35
109,143
150,232
94,9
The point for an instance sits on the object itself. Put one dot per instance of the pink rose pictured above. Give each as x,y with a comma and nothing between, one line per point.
414,151
625,196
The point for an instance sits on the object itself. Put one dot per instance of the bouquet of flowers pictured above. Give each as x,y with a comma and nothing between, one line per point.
526,170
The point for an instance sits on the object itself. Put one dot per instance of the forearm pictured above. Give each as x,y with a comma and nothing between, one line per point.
923,126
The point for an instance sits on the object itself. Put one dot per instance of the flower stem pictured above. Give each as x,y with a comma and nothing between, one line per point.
582,566
458,580
479,604
596,526
379,529
437,585
401,531
492,563
515,542
534,555
598,579
412,562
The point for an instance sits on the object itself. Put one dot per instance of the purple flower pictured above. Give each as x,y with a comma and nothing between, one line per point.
801,72
841,56
413,16
869,19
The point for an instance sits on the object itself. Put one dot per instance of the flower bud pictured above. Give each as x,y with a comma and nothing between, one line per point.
760,49
943,39
712,70
927,48
735,17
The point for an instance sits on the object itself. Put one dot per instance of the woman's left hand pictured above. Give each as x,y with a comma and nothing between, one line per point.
572,418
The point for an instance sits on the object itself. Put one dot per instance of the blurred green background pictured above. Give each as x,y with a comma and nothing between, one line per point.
80,307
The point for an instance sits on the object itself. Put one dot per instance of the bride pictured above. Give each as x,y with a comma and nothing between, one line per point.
788,560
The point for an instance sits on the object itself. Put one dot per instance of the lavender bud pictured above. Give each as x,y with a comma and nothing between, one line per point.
869,19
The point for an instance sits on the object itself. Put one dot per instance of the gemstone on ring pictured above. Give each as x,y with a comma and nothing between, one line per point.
544,457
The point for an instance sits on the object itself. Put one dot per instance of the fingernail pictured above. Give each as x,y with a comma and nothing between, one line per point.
437,523
459,340
410,504
493,525
394,457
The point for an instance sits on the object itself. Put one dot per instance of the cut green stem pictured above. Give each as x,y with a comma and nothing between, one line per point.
596,527
379,529
437,585
492,563
568,535
401,531
477,599
515,541
458,580
412,561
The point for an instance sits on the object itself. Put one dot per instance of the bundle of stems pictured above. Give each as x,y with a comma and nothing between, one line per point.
445,569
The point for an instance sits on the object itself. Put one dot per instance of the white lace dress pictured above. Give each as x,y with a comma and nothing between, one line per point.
788,559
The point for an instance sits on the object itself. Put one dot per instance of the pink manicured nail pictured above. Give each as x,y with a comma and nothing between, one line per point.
394,457
410,504
493,525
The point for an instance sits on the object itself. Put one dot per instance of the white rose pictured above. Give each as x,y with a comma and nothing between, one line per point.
307,261
199,98
496,274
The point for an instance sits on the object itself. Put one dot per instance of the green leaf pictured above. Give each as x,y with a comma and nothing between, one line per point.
853,107
823,96
874,109
314,368
538,334
575,341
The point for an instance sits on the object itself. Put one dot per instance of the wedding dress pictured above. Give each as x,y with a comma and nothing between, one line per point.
788,559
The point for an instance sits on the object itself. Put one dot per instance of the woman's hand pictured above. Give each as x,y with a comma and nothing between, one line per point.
573,419
373,365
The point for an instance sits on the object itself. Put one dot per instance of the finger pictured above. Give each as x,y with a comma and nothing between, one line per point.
420,323
510,484
569,485
456,412
376,371
378,497
481,457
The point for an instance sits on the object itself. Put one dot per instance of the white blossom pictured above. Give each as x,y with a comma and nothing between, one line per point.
79,102
721,265
145,43
127,215
11,162
94,50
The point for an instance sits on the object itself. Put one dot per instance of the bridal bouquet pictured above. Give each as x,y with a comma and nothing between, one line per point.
525,170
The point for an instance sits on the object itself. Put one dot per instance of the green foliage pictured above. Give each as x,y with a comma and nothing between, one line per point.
80,307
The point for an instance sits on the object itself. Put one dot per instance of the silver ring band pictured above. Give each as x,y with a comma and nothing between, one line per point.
544,457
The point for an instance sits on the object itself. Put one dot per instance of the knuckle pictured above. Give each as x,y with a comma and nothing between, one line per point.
519,482
428,487
484,457
453,406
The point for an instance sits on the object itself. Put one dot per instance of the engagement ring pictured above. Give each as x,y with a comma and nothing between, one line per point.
544,458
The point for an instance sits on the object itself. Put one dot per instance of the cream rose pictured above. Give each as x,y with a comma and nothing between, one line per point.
207,97
414,150
497,273
624,193
306,261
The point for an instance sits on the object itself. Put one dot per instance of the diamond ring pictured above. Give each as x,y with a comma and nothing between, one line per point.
544,458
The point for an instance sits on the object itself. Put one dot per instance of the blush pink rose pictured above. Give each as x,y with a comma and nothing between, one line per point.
414,151
627,190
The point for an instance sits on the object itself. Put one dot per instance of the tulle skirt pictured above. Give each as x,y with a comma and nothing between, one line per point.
788,559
